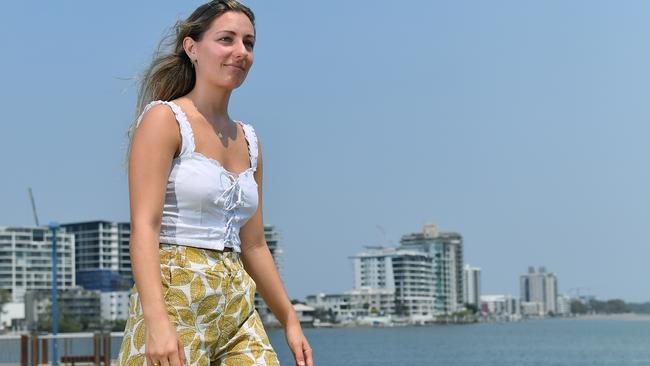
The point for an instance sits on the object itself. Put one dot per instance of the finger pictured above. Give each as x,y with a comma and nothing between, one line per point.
308,355
296,349
175,359
181,352
164,361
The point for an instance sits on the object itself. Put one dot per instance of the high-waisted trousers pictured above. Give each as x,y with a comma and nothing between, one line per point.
210,300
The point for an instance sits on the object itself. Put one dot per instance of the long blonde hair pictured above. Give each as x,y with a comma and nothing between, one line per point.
171,74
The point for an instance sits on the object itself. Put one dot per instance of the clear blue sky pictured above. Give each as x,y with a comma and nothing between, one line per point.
522,125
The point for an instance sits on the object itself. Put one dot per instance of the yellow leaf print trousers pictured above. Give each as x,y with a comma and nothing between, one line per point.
210,300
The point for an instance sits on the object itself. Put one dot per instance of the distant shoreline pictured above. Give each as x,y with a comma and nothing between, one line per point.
626,316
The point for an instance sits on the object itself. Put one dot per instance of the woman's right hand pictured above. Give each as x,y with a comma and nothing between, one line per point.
163,346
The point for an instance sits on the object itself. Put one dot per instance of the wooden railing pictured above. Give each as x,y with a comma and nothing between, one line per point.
29,345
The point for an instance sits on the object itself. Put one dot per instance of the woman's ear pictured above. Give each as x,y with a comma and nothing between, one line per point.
189,45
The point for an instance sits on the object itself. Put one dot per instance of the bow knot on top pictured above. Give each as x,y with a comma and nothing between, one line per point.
232,196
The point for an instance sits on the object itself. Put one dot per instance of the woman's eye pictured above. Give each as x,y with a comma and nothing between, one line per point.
227,39
250,44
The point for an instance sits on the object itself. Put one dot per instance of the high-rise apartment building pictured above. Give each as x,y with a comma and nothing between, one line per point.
472,285
102,254
26,260
425,272
446,252
273,239
415,287
373,268
539,286
408,273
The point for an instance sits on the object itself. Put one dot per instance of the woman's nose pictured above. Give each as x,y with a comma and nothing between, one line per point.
240,49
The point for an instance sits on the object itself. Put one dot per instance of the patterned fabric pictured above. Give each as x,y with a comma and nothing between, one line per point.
210,300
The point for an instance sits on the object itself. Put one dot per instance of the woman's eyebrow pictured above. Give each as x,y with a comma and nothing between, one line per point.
234,33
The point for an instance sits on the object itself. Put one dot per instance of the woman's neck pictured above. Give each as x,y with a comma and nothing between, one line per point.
212,103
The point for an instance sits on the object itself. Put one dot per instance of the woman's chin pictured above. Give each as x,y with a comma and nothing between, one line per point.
229,85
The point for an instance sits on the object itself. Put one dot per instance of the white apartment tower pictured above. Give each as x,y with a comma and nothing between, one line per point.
472,284
539,286
102,254
446,251
273,239
26,260
407,273
373,268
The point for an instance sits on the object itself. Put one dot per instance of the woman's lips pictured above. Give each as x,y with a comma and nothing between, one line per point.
235,66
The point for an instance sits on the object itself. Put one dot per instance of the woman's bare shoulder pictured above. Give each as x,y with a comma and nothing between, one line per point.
158,125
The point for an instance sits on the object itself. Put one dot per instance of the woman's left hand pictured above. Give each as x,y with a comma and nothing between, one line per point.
298,345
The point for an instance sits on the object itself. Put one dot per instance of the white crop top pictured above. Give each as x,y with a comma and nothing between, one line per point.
205,204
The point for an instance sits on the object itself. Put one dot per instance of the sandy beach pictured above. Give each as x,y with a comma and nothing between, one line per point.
627,316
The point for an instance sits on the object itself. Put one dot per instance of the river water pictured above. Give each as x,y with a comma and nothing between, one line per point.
557,342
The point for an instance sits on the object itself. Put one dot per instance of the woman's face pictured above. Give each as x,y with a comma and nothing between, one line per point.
225,53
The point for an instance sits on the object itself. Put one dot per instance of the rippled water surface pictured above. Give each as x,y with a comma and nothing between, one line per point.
539,342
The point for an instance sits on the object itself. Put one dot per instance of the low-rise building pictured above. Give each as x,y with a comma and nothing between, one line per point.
79,305
352,304
532,309
563,305
12,316
115,305
305,314
337,306
500,305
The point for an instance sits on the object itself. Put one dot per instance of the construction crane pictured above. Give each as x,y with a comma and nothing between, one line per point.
55,308
31,197
576,290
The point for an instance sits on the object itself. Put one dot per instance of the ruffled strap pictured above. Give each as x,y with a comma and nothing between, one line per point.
187,136
249,133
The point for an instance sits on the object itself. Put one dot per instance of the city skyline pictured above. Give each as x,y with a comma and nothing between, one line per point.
520,125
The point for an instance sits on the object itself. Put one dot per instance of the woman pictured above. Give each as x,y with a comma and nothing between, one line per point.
195,186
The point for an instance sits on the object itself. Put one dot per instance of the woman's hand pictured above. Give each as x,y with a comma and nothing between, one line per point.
298,345
163,347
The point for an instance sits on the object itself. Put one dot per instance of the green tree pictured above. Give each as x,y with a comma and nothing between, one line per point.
400,308
614,306
331,315
577,307
118,325
472,308
65,325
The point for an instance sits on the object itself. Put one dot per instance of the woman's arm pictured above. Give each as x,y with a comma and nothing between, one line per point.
259,264
154,144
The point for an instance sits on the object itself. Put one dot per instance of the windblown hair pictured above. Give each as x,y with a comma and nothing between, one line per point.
171,74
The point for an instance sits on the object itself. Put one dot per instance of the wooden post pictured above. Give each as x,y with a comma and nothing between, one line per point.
107,348
44,359
34,349
96,348
24,350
